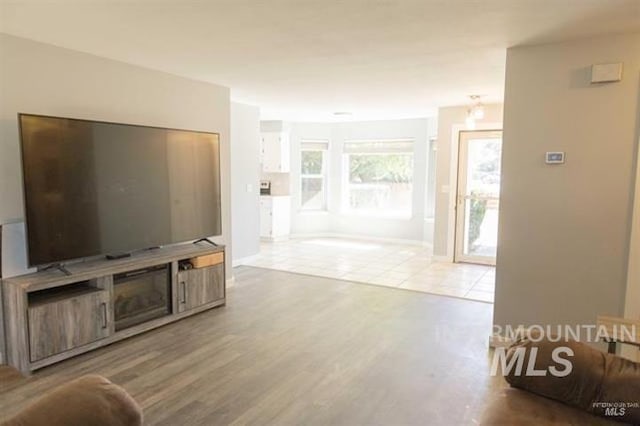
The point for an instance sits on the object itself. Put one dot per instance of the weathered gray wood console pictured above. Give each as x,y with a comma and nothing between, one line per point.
50,316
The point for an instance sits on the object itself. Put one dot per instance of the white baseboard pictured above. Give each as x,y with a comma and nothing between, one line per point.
230,282
362,237
243,260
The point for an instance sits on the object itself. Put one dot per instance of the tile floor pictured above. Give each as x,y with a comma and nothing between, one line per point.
393,265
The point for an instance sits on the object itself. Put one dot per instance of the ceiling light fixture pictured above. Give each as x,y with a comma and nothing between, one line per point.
342,113
475,112
470,122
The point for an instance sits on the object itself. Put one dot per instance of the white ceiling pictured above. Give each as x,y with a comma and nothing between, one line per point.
304,59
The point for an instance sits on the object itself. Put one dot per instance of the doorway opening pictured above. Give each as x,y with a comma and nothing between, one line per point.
478,196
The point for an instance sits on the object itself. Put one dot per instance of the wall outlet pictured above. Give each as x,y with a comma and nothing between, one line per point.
249,187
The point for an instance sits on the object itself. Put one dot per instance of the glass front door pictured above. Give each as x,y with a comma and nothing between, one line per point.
478,196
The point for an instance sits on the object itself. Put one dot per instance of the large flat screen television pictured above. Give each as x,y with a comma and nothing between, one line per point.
94,188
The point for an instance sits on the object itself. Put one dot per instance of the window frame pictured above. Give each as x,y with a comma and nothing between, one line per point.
313,145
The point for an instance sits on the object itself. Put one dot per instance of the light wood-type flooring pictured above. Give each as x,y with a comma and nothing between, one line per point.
291,349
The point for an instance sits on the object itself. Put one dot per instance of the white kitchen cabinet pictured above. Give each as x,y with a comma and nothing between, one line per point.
275,152
275,217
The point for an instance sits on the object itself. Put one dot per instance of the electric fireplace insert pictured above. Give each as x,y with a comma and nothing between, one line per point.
141,295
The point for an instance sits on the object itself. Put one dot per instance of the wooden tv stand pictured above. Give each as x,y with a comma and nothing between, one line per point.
50,316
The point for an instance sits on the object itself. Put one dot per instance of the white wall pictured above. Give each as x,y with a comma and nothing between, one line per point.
44,79
245,171
450,121
334,221
564,230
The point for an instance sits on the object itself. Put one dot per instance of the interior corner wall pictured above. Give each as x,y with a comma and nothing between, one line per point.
245,180
450,119
44,79
564,229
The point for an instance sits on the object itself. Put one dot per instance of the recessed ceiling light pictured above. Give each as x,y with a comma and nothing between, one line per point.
342,113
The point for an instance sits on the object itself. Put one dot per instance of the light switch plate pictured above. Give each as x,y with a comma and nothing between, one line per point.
249,187
606,73
555,157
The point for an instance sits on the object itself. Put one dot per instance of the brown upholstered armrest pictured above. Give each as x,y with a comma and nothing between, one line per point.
89,400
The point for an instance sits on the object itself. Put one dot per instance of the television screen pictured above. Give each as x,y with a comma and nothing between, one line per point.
94,188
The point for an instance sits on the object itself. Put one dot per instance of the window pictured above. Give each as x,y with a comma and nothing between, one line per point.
313,169
379,177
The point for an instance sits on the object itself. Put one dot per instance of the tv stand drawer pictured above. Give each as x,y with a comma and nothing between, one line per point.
197,287
208,260
68,323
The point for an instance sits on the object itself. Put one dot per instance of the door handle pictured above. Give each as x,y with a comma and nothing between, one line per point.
184,292
103,306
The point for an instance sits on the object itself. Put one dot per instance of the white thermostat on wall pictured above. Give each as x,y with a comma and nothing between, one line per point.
555,157
606,73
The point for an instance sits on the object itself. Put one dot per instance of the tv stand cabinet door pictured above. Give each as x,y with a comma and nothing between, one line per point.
60,326
197,287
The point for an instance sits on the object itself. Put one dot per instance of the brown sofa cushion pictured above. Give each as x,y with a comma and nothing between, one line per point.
596,378
89,400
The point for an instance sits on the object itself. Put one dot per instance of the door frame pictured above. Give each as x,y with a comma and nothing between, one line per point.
459,256
453,180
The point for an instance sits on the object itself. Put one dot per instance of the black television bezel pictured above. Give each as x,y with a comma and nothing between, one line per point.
30,264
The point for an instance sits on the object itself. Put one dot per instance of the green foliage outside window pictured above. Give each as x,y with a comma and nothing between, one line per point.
478,209
380,182
391,168
312,180
311,162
